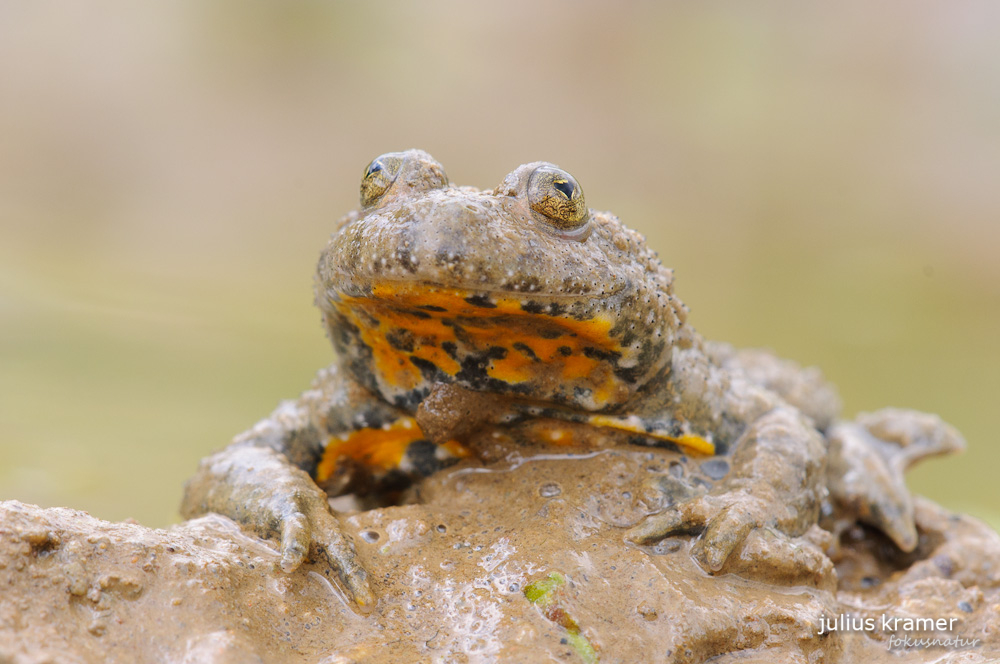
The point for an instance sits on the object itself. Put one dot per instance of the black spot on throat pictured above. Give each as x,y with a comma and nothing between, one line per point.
400,339
603,355
480,301
526,349
429,370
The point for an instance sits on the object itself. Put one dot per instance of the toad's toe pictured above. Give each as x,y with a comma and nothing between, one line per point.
867,462
726,531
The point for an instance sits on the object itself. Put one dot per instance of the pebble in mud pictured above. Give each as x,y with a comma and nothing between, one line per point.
549,490
715,468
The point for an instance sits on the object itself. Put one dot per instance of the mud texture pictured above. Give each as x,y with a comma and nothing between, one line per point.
520,562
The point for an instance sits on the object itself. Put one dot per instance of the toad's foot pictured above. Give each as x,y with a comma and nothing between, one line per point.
775,483
868,458
725,520
260,489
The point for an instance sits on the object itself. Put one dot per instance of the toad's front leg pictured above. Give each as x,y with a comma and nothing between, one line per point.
261,490
336,433
776,482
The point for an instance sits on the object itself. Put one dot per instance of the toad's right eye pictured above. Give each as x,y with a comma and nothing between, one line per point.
379,176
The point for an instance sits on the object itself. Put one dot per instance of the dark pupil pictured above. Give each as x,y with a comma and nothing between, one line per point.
564,186
374,168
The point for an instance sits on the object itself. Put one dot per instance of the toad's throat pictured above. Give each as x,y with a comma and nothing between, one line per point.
411,336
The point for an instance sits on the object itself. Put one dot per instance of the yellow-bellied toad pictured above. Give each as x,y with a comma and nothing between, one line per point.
457,312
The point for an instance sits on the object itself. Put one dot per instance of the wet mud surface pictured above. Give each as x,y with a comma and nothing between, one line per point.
523,561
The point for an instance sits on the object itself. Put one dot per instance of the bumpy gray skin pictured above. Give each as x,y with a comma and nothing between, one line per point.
263,480
765,415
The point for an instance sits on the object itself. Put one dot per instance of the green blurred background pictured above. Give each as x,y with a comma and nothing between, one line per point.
823,178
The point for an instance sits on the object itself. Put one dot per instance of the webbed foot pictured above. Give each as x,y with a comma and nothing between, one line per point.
725,520
774,483
261,490
868,458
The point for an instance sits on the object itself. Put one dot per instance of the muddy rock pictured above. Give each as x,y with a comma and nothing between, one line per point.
519,562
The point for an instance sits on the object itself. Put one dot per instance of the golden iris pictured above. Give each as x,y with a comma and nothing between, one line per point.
557,195
379,176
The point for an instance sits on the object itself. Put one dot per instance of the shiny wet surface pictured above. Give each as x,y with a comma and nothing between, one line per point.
519,562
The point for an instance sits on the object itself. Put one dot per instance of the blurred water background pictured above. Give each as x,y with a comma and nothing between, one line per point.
823,178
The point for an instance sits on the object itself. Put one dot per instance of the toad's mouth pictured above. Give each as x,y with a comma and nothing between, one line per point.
447,247
420,334
469,300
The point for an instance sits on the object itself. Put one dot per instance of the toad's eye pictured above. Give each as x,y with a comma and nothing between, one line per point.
555,194
379,176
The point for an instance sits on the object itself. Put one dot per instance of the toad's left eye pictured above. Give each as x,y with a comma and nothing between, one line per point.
557,195
379,176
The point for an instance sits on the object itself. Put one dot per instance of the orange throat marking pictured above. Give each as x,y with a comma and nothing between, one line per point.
430,319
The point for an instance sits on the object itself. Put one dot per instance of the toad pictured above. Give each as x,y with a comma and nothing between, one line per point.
471,323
